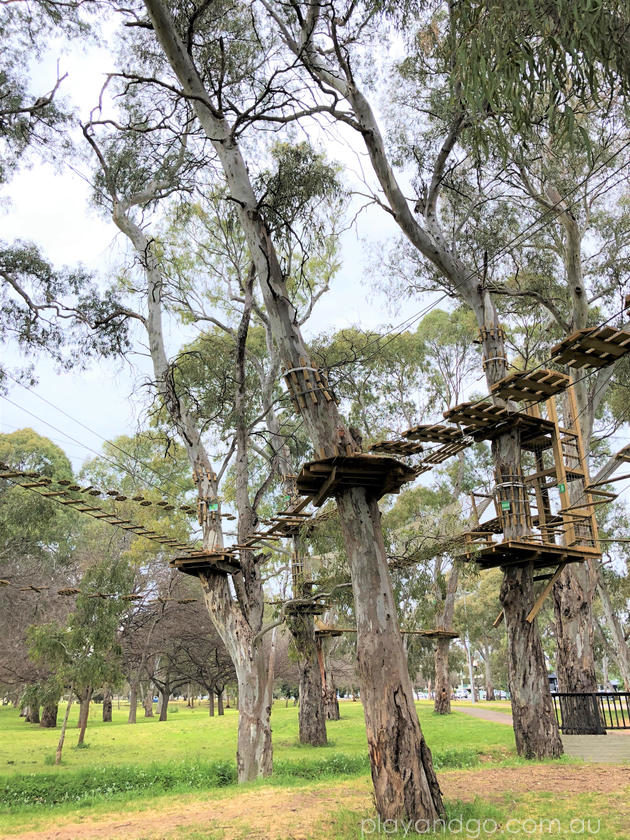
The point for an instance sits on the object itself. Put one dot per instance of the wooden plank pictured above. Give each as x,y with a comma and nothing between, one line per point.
322,494
543,595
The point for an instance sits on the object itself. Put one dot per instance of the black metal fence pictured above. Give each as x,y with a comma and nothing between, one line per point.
590,714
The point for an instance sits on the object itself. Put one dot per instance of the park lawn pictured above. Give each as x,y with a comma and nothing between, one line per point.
321,810
187,744
191,735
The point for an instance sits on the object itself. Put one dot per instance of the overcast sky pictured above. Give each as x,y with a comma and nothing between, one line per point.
50,205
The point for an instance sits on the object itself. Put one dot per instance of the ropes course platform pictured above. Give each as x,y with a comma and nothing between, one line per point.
207,561
595,347
331,476
439,633
521,552
326,630
531,386
487,421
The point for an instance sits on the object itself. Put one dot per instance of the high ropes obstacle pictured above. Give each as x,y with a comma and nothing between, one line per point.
552,459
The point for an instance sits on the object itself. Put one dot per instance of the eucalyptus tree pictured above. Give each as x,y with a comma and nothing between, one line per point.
85,653
45,309
305,202
37,541
219,393
212,60
575,270
330,44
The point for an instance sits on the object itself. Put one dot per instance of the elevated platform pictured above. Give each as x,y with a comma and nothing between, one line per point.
326,630
594,347
486,421
439,633
531,386
331,476
517,553
207,561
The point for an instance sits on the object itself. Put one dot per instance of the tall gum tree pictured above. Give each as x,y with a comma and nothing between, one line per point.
402,769
237,617
322,40
573,303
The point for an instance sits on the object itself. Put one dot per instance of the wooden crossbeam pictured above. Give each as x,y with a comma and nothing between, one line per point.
543,595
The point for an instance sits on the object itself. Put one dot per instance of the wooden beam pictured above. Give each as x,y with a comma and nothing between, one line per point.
543,595
319,500
497,621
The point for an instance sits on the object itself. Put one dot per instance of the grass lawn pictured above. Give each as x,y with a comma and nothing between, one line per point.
191,735
315,793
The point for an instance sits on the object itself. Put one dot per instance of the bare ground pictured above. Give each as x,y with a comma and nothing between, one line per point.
271,813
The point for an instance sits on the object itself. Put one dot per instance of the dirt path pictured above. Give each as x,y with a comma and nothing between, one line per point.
271,813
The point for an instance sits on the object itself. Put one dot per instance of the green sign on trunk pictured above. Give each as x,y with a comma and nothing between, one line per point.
561,488
213,506
505,505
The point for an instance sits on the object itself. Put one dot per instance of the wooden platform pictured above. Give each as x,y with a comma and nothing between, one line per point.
207,561
327,630
486,421
433,434
331,476
595,347
439,633
531,386
517,552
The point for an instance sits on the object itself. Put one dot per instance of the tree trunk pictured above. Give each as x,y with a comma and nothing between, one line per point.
32,714
312,715
107,706
220,702
211,702
534,719
402,769
329,692
254,756
442,705
575,663
84,713
488,672
165,693
620,645
64,726
148,703
133,702
49,716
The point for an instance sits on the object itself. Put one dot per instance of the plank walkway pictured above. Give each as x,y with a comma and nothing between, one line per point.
612,748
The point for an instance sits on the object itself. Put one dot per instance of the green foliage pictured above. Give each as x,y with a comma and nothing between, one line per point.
32,526
85,652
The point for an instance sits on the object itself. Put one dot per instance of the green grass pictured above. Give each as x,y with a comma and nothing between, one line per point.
131,764
192,736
